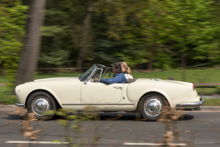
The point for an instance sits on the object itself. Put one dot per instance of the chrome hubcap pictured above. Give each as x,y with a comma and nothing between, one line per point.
153,107
40,105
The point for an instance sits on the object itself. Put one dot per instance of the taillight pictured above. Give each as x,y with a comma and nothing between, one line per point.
193,86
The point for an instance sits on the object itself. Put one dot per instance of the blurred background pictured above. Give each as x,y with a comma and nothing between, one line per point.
178,40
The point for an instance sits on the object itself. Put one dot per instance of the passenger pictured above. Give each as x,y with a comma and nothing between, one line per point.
118,75
126,70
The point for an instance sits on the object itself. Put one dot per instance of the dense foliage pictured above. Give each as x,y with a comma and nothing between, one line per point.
147,34
153,34
12,26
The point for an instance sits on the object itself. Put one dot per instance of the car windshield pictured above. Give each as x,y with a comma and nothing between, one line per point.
87,74
107,73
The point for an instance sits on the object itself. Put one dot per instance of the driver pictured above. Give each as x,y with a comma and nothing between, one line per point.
118,75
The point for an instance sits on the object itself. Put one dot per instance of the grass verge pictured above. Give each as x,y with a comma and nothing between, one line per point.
212,102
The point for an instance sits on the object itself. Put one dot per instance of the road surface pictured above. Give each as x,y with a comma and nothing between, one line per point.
197,128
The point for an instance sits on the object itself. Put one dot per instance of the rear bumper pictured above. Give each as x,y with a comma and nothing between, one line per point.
19,105
193,105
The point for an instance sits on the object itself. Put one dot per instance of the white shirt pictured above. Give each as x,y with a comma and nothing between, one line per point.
128,76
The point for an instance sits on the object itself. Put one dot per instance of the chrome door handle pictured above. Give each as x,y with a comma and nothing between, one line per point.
118,87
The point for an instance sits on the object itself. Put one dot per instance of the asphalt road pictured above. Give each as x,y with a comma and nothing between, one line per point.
197,128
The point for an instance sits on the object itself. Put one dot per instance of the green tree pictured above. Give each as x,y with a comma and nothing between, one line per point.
146,34
12,26
184,28
56,44
66,33
117,32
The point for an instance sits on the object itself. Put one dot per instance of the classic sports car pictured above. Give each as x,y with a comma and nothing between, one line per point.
147,96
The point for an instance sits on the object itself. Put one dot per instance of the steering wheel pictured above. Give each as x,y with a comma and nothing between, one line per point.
94,76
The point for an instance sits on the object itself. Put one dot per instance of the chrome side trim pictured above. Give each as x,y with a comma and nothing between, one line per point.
19,104
190,105
100,104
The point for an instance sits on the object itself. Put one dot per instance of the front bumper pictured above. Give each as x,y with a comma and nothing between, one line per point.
193,105
19,105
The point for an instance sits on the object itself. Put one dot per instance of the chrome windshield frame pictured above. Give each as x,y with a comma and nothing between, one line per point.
96,67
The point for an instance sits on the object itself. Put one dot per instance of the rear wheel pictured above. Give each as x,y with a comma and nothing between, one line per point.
150,106
40,102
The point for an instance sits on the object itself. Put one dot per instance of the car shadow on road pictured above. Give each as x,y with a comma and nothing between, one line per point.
113,116
187,117
133,117
13,117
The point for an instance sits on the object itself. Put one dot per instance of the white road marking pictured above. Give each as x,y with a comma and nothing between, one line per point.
153,144
37,142
206,111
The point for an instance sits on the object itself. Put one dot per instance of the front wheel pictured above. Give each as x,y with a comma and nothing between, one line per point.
150,106
40,102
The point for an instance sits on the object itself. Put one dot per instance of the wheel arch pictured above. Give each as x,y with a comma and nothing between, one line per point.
153,92
42,90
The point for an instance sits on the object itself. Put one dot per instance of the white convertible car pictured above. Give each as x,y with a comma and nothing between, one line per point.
147,96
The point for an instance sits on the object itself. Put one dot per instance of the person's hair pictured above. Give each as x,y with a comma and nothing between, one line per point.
127,68
117,67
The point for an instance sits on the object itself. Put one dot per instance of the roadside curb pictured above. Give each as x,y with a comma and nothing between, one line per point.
7,107
210,107
13,107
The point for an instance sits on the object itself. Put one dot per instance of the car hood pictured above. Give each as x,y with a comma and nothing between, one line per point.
164,81
56,79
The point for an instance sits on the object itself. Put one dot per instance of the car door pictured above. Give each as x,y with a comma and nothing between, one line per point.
100,93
